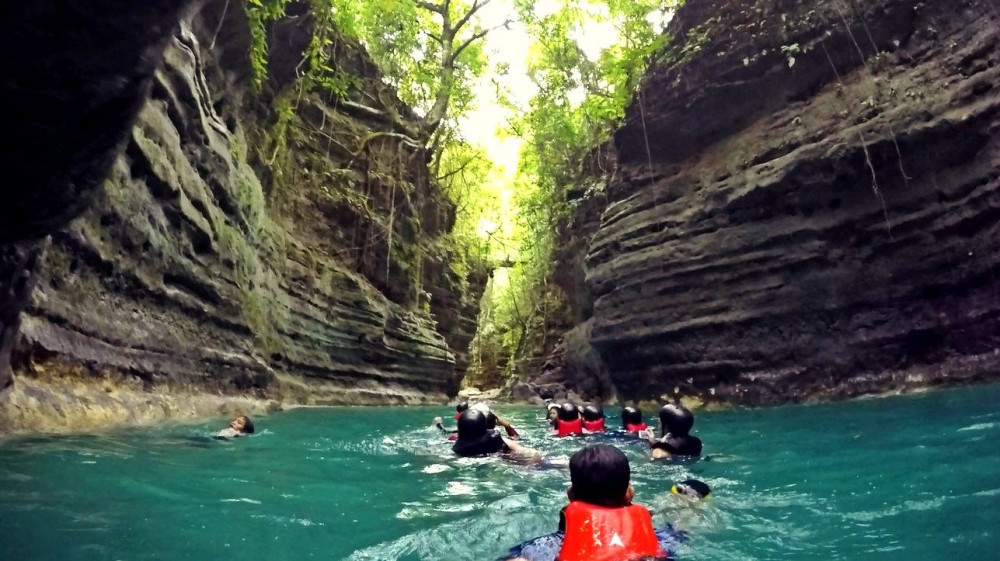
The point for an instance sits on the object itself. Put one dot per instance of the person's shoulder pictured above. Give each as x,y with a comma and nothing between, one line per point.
640,510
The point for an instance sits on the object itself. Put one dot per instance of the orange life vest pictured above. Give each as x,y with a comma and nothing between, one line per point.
566,428
597,533
594,426
635,428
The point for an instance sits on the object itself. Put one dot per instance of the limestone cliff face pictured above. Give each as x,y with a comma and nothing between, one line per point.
64,128
806,205
190,274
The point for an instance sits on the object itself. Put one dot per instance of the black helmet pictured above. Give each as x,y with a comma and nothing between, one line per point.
593,412
631,416
692,488
471,424
461,407
568,412
551,406
677,420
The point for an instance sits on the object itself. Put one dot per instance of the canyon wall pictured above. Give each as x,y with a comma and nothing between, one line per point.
246,248
806,205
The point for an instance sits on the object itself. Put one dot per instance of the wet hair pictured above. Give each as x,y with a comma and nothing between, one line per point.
462,407
247,424
692,488
551,406
568,412
471,424
631,416
600,475
676,419
593,412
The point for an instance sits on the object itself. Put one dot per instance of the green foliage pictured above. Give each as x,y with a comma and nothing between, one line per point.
581,99
260,13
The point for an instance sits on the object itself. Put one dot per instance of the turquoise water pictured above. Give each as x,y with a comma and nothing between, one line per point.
905,478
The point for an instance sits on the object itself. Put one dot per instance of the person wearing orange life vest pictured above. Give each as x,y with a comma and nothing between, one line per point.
593,419
569,421
601,523
632,420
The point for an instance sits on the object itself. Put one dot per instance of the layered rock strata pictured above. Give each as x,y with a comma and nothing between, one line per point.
185,278
73,83
807,204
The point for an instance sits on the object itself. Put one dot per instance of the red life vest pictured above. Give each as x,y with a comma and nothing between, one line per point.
566,428
598,533
594,426
457,415
635,428
452,437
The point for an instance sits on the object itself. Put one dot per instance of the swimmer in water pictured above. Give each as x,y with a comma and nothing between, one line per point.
593,419
239,426
632,420
569,421
461,408
476,439
600,522
692,489
492,420
675,425
552,414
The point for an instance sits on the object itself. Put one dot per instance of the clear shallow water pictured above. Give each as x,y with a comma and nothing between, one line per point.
905,478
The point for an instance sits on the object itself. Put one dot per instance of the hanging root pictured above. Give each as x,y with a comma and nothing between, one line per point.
864,148
864,62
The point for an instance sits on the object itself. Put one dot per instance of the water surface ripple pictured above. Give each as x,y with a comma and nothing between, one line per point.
904,478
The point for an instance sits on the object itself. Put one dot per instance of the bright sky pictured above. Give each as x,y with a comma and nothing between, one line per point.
484,124
510,47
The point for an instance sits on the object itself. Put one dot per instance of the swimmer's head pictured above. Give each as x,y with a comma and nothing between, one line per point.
552,412
631,416
593,413
676,420
462,407
692,488
600,475
568,412
471,424
242,424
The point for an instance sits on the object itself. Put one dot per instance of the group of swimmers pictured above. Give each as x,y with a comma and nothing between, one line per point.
600,523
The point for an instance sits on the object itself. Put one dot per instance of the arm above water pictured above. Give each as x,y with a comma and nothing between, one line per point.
511,431
439,424
520,450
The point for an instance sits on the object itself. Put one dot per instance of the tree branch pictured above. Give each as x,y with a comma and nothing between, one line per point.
436,38
461,168
476,6
436,8
475,37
